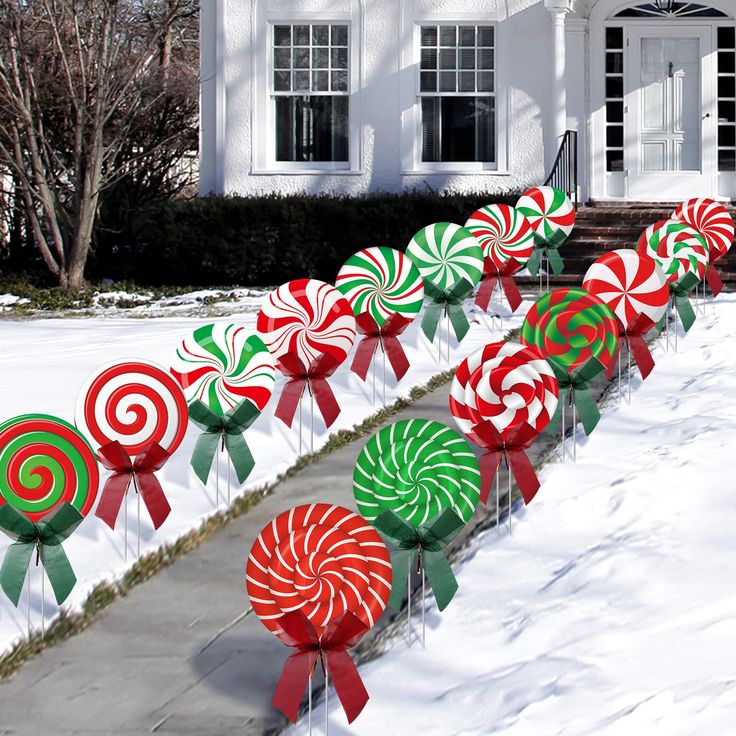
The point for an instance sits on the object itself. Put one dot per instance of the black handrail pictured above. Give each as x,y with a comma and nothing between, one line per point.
564,174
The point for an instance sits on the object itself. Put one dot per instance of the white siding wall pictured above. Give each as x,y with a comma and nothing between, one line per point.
524,38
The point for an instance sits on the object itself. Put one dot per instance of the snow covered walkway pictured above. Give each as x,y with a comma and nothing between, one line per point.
611,609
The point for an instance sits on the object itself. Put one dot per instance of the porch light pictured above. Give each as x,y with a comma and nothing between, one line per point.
666,6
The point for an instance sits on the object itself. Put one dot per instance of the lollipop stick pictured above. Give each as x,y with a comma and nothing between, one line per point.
676,330
629,354
138,504
619,376
408,603
562,429
28,601
498,503
43,603
125,515
309,711
383,354
508,473
373,366
228,481
300,425
217,482
546,268
447,322
424,608
311,421
327,701
574,433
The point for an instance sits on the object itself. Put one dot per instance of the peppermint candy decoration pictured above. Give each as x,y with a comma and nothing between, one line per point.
135,403
571,326
445,254
676,247
309,318
416,468
382,282
630,284
550,213
221,364
45,462
503,233
321,559
507,384
712,220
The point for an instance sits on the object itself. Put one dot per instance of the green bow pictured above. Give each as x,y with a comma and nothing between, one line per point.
549,248
428,542
228,429
679,290
45,537
450,301
575,388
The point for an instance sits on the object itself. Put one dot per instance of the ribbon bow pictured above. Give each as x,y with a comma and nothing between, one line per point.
714,279
141,471
512,449
428,542
491,274
449,300
341,634
549,248
575,388
679,290
633,335
314,378
386,336
228,429
45,537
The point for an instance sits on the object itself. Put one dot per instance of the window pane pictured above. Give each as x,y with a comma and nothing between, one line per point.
614,160
615,87
447,82
320,81
339,58
614,111
615,63
320,35
447,58
281,35
467,35
429,35
301,35
485,36
726,86
448,35
468,129
726,112
428,82
282,81
485,58
727,160
339,35
429,59
726,38
430,129
726,135
615,136
466,81
726,62
282,58
466,57
614,38
320,58
339,81
301,81
485,82
312,128
300,58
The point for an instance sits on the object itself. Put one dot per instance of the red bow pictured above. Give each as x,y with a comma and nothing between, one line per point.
714,280
491,274
331,648
141,471
315,379
513,450
386,336
633,334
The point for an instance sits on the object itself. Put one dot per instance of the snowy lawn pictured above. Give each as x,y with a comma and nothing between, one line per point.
46,362
611,609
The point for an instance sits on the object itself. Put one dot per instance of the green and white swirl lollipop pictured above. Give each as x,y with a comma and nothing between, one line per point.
416,468
445,254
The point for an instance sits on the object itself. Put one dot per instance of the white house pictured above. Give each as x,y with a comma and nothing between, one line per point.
350,96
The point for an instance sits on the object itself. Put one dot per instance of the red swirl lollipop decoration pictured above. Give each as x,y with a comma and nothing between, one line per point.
136,414
318,576
309,328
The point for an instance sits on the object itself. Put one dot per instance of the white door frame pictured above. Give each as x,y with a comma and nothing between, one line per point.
670,185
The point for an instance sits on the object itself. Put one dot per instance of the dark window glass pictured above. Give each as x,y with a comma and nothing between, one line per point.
485,82
727,86
429,35
429,59
726,135
466,35
614,38
485,36
614,160
282,58
726,62
339,81
726,112
615,136
458,129
615,62
448,35
614,87
320,58
727,159
320,35
339,35
301,35
282,81
312,128
726,38
428,82
281,35
614,111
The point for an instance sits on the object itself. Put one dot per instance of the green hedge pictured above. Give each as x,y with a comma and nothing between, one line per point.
257,241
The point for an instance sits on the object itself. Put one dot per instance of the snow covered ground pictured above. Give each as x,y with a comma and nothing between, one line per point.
611,609
44,364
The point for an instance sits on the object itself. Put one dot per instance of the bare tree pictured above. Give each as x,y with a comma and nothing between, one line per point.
77,77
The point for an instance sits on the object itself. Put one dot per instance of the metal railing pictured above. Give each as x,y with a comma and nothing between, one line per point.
564,174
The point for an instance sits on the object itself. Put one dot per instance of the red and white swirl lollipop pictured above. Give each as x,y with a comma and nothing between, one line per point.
308,318
135,403
712,220
322,560
503,232
630,283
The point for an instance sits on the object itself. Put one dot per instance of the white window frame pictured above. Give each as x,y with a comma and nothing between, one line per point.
263,108
411,126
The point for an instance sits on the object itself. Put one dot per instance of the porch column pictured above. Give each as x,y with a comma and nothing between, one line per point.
558,10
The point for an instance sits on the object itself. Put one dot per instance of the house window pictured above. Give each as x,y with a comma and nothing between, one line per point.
726,88
614,71
677,10
310,91
457,93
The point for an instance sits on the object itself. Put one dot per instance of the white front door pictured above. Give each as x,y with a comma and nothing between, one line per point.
670,114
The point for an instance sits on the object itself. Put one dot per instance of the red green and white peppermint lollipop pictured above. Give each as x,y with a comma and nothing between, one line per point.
507,384
446,254
381,282
309,318
222,364
630,283
135,403
322,560
550,213
503,233
44,462
712,220
677,248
